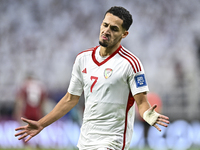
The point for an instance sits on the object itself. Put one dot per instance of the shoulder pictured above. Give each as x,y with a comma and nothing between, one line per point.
87,52
132,60
84,55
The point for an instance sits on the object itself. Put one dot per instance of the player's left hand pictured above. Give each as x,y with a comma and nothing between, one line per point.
161,120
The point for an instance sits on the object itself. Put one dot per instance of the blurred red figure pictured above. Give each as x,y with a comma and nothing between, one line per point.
30,99
155,99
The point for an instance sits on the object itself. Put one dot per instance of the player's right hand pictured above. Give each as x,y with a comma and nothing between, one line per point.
31,129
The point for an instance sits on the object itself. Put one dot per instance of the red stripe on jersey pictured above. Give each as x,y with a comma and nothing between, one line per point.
130,103
133,58
128,61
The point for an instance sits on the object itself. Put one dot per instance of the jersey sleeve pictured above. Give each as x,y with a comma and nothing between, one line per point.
76,85
137,81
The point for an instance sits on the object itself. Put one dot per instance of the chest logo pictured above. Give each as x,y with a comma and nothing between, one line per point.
108,72
84,71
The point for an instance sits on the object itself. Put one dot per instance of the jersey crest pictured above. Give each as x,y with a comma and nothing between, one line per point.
108,72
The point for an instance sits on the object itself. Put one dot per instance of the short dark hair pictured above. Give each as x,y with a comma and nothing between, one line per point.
123,14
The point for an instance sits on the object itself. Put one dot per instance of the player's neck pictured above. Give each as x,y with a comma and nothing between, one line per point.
106,51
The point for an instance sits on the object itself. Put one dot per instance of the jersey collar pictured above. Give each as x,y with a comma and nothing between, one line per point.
108,58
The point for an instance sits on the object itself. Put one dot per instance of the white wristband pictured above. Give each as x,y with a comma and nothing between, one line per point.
150,116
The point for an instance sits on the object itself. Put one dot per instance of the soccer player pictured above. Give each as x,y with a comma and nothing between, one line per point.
30,99
113,81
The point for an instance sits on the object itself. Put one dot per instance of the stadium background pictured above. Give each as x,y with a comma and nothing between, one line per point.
44,36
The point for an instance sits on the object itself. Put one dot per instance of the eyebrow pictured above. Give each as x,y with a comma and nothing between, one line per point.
113,26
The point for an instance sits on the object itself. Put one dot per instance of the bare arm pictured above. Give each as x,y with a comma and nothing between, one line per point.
34,127
63,107
142,102
143,106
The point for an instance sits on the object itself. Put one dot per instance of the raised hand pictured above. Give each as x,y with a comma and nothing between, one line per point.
31,129
161,120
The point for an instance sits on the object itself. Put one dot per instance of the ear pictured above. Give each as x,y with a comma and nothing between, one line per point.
125,34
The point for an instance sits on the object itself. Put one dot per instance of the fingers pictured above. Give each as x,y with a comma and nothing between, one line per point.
157,127
20,128
163,120
25,131
23,136
153,107
164,117
25,120
20,133
28,138
162,124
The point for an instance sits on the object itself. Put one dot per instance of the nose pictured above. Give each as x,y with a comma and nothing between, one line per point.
107,30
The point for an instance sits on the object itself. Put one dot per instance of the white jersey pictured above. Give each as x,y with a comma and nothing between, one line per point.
108,84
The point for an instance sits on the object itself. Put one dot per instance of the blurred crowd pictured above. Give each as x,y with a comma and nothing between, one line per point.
44,37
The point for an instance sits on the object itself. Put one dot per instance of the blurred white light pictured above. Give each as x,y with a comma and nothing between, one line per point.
179,135
138,136
156,139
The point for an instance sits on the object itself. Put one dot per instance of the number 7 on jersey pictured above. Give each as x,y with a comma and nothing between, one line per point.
95,81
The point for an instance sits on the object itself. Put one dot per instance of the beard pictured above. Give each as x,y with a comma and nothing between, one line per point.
103,44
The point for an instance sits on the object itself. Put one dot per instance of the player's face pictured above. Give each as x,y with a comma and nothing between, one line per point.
111,31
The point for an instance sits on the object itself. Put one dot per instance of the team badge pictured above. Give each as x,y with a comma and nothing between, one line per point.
108,73
140,80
